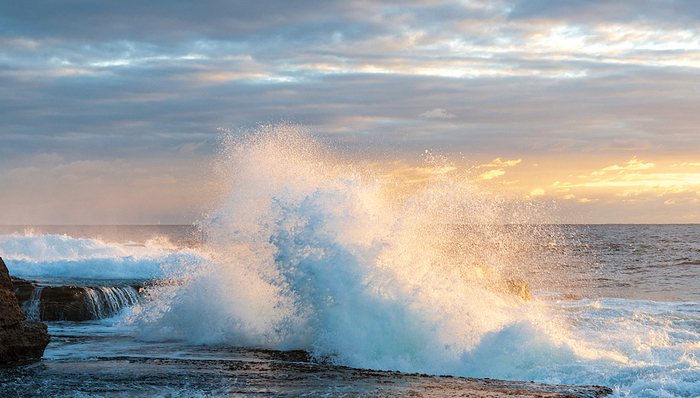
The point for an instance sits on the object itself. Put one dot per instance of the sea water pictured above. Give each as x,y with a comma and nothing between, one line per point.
360,266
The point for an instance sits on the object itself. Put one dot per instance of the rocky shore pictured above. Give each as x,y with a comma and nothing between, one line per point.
73,303
75,365
20,340
247,373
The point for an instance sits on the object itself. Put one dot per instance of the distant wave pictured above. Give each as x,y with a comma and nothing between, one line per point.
62,256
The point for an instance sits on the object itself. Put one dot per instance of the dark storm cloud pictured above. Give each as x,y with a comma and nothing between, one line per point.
597,11
155,20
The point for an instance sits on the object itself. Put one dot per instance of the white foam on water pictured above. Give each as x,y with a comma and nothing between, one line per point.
61,256
652,347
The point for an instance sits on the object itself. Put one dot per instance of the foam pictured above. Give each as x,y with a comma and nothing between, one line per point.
36,256
644,348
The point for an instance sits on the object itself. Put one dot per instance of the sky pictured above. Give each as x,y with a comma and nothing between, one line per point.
110,112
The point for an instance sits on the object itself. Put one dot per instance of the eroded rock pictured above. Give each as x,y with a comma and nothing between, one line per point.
20,340
73,303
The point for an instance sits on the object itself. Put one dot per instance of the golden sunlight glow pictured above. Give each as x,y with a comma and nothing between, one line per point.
636,176
491,174
655,190
414,175
640,184
499,163
633,164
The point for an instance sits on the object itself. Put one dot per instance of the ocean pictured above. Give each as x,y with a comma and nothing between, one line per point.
300,258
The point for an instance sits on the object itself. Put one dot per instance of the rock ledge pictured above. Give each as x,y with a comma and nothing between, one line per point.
21,341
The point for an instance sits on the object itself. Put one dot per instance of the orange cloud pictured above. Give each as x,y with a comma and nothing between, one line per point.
499,163
491,174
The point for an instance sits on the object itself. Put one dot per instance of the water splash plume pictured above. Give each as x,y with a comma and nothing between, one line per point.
358,263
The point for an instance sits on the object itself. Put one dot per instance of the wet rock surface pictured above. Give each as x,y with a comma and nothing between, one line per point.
72,303
258,373
63,303
20,340
149,376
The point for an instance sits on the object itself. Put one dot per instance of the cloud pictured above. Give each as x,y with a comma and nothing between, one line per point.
687,164
415,174
190,147
437,113
491,174
47,158
601,11
533,79
499,163
633,164
636,177
627,145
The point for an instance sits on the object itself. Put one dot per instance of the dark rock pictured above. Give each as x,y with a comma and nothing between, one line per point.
10,313
73,303
5,280
517,287
64,303
22,288
23,341
20,340
514,287
55,303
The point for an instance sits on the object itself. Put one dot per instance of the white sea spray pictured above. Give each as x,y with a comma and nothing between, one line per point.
357,268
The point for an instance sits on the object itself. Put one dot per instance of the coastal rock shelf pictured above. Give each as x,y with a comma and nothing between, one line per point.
20,340
73,303
259,373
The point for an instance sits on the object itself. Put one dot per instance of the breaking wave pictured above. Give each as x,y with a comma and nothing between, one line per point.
61,256
382,265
